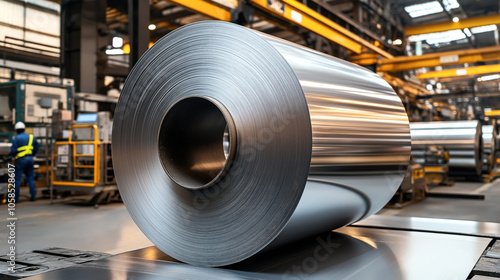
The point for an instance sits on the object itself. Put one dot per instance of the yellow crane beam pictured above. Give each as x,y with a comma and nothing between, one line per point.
303,16
469,71
492,113
450,25
295,13
402,63
206,8
365,58
409,88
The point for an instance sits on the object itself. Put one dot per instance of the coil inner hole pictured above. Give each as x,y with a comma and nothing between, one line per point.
196,142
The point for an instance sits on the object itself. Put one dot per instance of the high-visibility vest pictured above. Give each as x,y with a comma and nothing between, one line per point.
25,150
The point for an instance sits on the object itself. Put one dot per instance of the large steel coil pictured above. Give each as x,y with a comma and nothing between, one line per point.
490,140
463,140
228,142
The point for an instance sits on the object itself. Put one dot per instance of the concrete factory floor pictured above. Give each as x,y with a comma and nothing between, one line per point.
110,229
487,210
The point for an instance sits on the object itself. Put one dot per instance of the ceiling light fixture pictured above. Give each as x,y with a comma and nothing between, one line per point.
117,42
114,52
489,77
424,9
397,42
439,37
484,28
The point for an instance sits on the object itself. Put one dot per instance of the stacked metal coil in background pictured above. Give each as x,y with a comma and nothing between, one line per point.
490,141
463,140
228,142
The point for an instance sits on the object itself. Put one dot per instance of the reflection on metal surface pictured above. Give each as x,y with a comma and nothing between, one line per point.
348,253
328,256
472,228
427,256
315,143
463,140
191,146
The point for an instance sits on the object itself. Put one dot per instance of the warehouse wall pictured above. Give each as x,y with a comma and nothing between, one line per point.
36,21
31,26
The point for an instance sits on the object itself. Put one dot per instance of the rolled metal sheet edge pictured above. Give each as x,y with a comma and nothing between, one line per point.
228,142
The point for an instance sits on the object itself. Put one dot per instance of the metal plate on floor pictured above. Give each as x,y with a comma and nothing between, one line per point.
471,228
44,260
348,253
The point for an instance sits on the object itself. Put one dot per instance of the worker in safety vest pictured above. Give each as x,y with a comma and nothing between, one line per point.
23,149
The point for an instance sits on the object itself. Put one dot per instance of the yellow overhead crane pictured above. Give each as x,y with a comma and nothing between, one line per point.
402,63
411,89
365,58
305,17
451,25
492,113
295,13
207,8
468,71
365,53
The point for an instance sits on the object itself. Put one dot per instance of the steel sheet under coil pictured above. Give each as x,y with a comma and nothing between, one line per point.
463,140
490,139
228,142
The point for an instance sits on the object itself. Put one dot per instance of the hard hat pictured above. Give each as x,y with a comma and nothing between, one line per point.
19,125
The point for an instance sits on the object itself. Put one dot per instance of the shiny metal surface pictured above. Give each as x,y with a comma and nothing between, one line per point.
489,148
184,159
463,140
348,253
315,143
471,228
5,148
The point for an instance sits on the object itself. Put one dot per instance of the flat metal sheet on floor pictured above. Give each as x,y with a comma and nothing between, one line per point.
472,228
347,253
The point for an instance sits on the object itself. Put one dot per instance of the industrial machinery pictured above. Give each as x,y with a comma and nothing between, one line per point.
412,189
83,163
435,164
62,120
430,169
33,104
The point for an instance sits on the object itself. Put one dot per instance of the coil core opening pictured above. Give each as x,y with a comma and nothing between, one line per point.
197,142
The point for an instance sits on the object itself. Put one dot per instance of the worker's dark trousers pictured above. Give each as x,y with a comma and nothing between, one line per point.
25,165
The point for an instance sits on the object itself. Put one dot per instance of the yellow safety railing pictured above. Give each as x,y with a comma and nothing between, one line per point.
72,144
